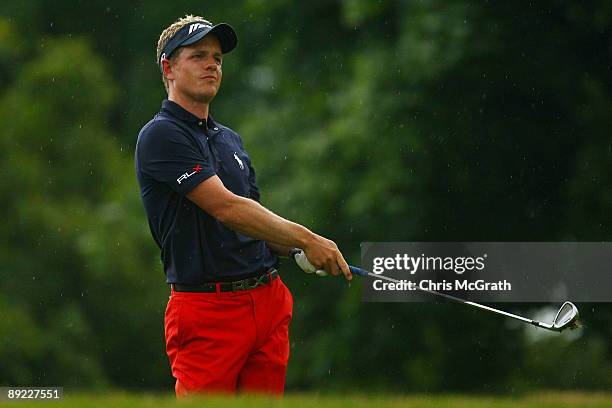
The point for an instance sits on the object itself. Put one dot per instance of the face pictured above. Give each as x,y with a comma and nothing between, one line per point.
195,73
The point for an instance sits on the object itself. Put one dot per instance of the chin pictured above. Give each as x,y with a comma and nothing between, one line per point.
204,97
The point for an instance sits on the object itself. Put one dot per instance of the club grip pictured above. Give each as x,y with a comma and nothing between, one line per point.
358,271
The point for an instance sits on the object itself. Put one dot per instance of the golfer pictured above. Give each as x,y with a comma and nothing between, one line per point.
227,320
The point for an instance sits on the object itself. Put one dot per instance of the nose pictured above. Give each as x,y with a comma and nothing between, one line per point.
212,65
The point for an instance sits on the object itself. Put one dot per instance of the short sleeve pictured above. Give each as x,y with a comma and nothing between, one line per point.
167,154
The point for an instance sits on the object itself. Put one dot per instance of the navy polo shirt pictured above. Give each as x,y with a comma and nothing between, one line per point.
175,152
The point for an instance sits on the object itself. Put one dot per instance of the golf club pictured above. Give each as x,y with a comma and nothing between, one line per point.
566,317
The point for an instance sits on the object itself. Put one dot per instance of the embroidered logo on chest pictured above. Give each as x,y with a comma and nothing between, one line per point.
239,161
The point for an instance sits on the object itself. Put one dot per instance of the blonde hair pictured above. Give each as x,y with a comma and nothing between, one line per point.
169,32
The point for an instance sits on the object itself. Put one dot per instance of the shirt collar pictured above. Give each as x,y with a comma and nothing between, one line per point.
181,113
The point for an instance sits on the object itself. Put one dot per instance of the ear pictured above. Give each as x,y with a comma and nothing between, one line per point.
167,67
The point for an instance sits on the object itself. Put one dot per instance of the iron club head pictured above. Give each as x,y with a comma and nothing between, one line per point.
567,317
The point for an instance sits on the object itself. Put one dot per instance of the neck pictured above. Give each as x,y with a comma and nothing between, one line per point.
199,109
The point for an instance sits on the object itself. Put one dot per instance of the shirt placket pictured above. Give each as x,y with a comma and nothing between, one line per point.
210,143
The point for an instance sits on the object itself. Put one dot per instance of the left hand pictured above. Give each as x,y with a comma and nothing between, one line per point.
300,258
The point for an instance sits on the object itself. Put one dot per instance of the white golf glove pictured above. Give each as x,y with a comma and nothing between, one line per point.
304,263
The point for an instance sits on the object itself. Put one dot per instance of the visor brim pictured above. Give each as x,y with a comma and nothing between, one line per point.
224,32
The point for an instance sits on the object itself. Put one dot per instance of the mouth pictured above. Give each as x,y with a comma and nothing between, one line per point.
214,78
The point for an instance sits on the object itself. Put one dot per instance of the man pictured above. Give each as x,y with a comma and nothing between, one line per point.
227,319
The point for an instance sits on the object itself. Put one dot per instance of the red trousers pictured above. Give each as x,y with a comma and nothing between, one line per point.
229,341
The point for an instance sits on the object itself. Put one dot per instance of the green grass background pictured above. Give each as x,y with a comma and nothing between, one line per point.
539,400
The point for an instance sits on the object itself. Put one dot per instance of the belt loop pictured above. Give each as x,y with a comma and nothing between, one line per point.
218,289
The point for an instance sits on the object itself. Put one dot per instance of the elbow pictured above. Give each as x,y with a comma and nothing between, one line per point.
218,202
223,214
226,212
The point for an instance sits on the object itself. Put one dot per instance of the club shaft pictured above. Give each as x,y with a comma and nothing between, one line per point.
363,272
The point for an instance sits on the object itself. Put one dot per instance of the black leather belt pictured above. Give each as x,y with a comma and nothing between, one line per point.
243,284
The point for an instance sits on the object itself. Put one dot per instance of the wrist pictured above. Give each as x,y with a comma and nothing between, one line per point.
306,238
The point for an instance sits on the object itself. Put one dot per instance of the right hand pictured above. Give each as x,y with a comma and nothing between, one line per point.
324,254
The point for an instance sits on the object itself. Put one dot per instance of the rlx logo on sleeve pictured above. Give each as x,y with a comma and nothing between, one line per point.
196,169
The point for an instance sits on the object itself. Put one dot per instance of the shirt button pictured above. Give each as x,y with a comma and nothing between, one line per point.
215,128
200,123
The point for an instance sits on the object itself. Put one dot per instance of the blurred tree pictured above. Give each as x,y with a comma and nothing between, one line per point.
73,257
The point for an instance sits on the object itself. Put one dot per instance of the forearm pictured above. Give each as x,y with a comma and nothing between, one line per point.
250,218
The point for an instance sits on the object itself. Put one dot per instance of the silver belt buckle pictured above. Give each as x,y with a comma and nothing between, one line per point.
240,285
245,285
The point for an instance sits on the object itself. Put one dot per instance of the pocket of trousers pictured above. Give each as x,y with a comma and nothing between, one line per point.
173,327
